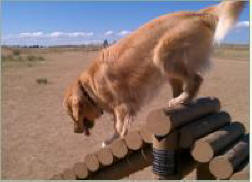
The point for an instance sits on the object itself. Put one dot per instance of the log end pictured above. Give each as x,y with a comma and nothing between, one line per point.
221,168
119,148
158,122
146,135
105,156
202,151
91,162
80,170
133,140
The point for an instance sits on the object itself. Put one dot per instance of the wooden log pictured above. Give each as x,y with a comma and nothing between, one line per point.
119,148
202,127
222,167
69,174
92,162
163,121
146,135
205,148
105,156
126,166
243,174
80,170
133,140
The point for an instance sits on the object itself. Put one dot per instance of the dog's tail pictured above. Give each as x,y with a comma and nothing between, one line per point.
228,13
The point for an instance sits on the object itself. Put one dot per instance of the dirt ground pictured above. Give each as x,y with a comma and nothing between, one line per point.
37,135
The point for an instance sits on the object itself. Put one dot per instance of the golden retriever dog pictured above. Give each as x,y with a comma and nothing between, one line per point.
173,48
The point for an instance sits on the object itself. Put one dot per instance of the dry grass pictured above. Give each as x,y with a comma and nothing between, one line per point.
232,52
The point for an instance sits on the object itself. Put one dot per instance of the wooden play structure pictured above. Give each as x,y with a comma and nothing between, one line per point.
175,141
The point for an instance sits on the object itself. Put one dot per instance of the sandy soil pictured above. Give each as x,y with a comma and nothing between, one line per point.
37,136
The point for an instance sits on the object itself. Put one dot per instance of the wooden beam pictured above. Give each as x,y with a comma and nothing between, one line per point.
205,148
163,121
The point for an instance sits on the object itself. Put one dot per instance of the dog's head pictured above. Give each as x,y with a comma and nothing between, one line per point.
81,107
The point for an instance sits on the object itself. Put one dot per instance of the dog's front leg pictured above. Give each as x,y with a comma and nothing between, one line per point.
123,119
114,136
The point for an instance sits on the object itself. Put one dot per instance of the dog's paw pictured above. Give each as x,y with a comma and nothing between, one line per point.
104,144
173,102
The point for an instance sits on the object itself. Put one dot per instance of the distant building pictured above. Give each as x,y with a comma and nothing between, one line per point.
105,43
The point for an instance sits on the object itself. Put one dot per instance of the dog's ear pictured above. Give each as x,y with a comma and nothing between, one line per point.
77,96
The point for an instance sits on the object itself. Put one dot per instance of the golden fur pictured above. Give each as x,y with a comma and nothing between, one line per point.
173,48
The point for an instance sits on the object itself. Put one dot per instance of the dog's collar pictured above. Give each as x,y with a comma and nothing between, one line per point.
91,97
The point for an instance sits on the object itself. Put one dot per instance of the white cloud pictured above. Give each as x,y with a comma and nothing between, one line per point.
242,24
110,32
123,32
71,34
31,35
55,34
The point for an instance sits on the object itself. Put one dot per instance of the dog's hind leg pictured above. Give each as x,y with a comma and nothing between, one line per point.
192,85
177,86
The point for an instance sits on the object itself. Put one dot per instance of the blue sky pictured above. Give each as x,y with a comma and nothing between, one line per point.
49,23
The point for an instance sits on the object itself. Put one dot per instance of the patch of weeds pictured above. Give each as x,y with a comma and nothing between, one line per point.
42,81
31,58
16,52
7,58
40,58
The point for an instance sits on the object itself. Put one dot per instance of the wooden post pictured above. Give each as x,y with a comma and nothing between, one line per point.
222,167
202,127
163,121
164,155
205,148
